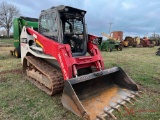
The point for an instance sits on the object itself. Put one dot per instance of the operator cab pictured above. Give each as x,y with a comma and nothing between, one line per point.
65,25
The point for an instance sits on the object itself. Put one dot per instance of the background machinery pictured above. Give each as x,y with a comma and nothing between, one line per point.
18,24
128,41
131,41
145,42
155,39
110,44
158,52
61,56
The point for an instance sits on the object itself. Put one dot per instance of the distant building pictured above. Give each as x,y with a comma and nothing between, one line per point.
118,35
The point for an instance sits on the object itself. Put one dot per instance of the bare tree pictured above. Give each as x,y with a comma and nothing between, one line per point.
3,32
7,13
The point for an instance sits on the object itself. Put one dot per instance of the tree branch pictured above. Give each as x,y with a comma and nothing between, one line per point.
7,13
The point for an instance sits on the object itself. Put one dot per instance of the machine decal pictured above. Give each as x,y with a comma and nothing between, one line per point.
62,65
23,45
35,36
83,78
16,40
38,43
23,40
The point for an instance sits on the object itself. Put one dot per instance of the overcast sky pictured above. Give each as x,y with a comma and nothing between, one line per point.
133,17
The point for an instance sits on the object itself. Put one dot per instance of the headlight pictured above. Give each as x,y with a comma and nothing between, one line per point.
66,9
95,41
82,13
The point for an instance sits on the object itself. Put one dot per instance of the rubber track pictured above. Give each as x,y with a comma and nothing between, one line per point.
53,74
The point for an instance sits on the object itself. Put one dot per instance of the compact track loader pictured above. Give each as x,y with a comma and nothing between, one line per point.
61,56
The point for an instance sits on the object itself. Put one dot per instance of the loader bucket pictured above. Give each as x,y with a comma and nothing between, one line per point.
96,95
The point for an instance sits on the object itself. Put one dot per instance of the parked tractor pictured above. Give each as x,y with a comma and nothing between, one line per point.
155,39
145,42
131,41
110,44
18,24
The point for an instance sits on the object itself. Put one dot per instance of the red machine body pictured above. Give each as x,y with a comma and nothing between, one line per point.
62,52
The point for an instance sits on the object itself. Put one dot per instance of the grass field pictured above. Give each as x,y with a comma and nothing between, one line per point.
6,42
20,100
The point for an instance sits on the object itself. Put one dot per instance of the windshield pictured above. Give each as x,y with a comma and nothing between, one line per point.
73,26
48,26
